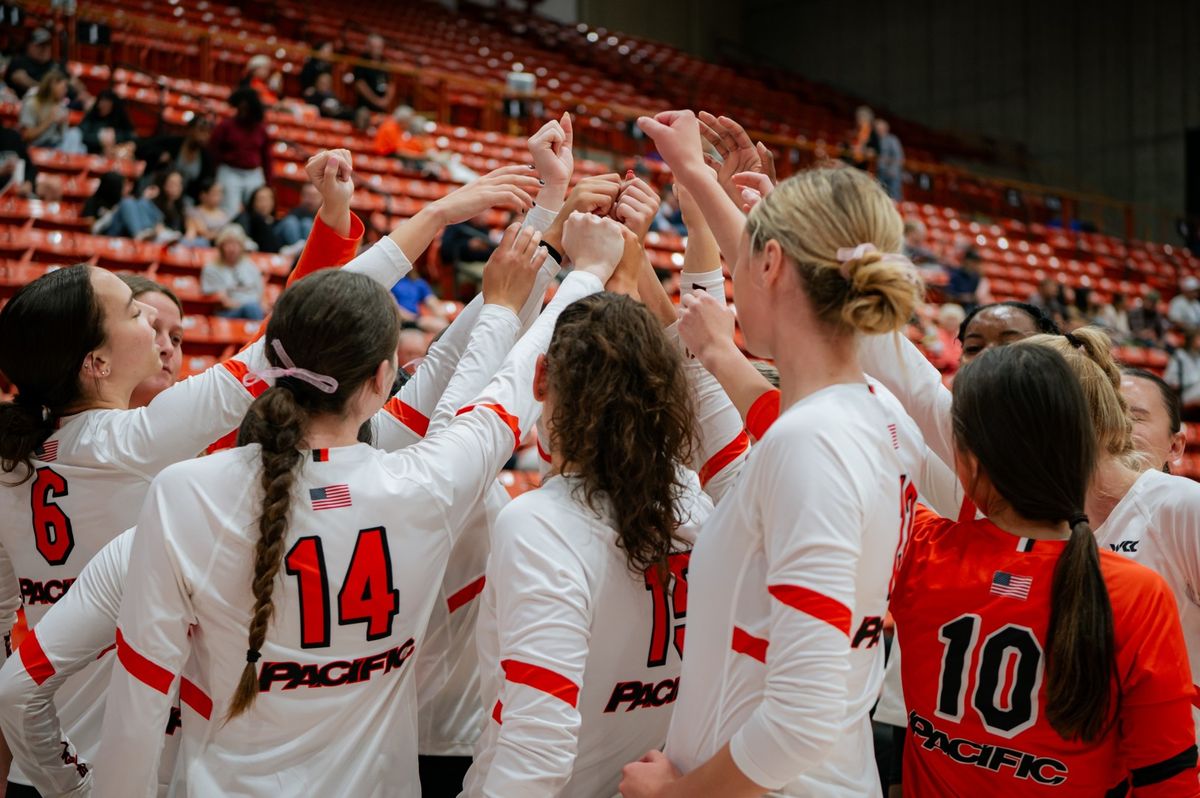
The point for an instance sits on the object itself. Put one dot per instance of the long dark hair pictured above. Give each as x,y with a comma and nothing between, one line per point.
46,331
1022,412
609,353
108,194
118,117
172,209
1044,323
248,107
335,323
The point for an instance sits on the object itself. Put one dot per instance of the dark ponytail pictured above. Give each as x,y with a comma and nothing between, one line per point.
46,331
1020,410
333,323
610,354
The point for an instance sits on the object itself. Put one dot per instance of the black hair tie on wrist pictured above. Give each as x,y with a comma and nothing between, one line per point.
253,655
1077,519
554,253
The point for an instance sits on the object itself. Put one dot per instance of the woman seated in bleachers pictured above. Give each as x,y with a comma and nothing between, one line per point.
44,116
206,218
232,279
106,127
1183,374
101,206
258,220
157,215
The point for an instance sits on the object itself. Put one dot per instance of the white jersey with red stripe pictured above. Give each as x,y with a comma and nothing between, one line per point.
351,603
580,658
783,657
77,631
1157,523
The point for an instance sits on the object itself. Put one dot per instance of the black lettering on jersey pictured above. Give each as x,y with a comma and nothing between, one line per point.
293,675
1125,546
869,632
174,721
1022,765
69,758
643,694
48,592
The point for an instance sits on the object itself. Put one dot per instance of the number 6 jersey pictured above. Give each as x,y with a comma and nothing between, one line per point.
972,605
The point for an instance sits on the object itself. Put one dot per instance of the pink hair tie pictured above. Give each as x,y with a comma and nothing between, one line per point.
847,255
319,381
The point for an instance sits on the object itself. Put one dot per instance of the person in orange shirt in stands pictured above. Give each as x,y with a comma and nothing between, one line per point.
259,77
399,135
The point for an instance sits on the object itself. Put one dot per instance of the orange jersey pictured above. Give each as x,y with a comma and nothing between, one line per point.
972,606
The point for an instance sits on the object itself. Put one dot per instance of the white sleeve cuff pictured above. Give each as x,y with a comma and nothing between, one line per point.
502,316
539,218
385,263
711,282
756,771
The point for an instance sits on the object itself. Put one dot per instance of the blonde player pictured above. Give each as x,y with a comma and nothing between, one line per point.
790,576
77,345
296,539
168,335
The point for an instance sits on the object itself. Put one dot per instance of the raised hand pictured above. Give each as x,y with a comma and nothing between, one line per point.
508,187
626,279
330,172
676,136
509,275
649,777
552,157
705,327
593,243
636,205
752,187
590,195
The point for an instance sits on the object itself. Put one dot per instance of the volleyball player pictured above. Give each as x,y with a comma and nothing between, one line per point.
1156,411
168,335
1035,664
783,659
266,508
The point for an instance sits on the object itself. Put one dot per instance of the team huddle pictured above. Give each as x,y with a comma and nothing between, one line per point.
297,573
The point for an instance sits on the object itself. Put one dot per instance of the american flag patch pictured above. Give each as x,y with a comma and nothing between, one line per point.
1011,585
47,452
895,436
329,498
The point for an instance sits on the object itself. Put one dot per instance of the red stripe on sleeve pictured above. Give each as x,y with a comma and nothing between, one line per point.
810,602
465,595
762,414
745,643
508,418
142,669
239,370
540,678
732,451
195,698
408,415
496,710
34,659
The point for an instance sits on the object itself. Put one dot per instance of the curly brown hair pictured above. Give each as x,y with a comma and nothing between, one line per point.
610,357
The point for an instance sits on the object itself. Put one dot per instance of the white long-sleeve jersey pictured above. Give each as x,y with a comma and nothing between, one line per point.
580,658
79,629
345,559
89,481
783,658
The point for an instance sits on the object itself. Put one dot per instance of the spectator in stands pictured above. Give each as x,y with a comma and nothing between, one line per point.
467,246
402,136
669,216
168,335
106,127
1046,298
413,295
1147,321
17,169
1183,374
414,345
187,154
1114,317
373,87
103,203
316,65
261,77
44,116
25,72
321,95
890,165
241,149
914,243
157,215
967,284
864,142
258,220
941,342
293,228
206,218
1184,310
233,279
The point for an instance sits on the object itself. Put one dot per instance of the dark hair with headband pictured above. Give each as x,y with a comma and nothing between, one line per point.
1021,411
326,338
1044,323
